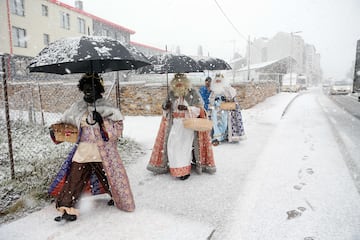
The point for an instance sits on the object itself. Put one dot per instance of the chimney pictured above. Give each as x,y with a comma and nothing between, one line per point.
79,4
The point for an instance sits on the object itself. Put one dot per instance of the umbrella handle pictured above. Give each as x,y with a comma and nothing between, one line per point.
87,121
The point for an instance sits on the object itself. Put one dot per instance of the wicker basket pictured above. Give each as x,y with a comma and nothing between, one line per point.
65,132
198,124
228,106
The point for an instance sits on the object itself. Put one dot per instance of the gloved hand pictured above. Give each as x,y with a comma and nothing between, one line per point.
182,107
167,105
97,117
52,135
223,98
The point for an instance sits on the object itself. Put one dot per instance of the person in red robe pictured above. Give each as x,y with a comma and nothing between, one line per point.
178,149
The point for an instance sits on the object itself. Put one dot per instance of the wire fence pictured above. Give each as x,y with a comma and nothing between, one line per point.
29,160
29,104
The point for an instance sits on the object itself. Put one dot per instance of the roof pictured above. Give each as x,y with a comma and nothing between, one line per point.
146,46
92,16
259,65
262,65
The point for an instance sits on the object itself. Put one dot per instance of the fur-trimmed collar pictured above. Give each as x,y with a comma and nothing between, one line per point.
74,114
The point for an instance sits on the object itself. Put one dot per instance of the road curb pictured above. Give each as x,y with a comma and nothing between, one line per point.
288,105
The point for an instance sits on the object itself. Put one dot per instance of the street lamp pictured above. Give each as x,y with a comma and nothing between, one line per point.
291,47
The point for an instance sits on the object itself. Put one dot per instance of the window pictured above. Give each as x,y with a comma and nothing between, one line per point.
19,37
122,38
119,37
46,39
65,20
44,10
105,33
81,25
17,7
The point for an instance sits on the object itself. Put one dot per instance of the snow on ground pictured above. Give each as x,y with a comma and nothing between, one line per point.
285,180
307,192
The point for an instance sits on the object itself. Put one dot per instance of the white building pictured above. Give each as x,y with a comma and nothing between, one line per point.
283,45
27,26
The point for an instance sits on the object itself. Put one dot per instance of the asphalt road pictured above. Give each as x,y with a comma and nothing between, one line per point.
347,102
343,111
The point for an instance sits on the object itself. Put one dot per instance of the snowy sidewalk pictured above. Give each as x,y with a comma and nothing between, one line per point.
301,188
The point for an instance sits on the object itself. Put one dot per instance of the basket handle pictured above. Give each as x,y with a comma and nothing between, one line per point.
190,112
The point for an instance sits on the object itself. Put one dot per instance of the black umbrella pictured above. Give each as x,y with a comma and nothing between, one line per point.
211,63
87,54
170,63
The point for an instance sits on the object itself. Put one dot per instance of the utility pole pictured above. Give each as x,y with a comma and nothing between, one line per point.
291,49
4,74
291,45
234,47
248,77
233,57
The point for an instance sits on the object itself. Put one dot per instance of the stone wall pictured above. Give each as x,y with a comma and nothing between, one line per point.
135,98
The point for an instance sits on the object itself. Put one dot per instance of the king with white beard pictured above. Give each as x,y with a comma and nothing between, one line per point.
225,112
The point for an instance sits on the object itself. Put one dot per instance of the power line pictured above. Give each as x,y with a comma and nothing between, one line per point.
235,28
228,19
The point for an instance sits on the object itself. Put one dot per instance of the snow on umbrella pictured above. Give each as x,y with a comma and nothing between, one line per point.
87,54
170,63
213,64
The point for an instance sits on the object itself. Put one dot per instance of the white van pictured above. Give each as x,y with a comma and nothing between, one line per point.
302,81
290,83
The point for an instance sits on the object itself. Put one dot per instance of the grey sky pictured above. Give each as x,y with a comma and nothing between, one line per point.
330,25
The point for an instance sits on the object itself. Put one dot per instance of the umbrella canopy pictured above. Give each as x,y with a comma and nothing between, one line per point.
170,63
87,54
213,64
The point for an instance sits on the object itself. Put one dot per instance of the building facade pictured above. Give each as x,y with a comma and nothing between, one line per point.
283,45
27,26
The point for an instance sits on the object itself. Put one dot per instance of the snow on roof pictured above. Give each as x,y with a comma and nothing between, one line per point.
259,65
264,64
146,46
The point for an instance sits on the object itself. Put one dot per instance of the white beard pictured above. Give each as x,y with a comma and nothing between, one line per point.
180,91
218,88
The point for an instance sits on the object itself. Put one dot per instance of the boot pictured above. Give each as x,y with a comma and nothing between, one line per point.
184,177
110,202
67,217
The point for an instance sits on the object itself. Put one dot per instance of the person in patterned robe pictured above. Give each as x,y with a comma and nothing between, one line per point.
176,148
94,164
227,123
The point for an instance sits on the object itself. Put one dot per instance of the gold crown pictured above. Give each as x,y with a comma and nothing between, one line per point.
95,76
219,75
